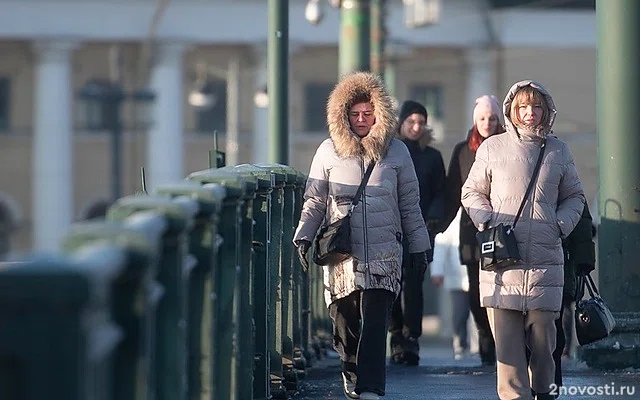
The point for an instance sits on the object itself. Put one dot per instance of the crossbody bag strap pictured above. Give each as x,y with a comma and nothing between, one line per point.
363,183
532,182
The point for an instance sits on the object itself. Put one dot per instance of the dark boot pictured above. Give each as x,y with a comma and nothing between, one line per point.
412,352
397,348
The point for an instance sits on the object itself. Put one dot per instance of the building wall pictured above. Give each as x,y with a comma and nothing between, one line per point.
568,73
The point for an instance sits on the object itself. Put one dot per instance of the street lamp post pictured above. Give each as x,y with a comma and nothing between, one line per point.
355,36
378,36
103,102
278,80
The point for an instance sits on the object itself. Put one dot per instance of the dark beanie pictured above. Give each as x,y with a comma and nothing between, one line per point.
411,107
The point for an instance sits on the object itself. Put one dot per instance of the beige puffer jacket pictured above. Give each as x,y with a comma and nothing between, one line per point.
493,191
391,198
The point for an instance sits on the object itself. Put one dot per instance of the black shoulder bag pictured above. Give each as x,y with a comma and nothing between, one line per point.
333,242
593,318
498,245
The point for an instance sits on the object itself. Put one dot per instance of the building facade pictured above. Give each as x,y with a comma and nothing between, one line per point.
54,170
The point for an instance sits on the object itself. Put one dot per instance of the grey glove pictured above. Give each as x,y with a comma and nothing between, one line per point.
303,248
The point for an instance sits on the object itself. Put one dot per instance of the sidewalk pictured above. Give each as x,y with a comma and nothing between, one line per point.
440,376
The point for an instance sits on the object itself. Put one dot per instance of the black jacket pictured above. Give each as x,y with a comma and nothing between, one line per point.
460,164
578,249
431,178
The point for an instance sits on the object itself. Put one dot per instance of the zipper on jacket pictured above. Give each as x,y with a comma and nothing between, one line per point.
526,271
364,219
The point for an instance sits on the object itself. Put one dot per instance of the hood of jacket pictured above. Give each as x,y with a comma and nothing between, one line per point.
506,107
346,143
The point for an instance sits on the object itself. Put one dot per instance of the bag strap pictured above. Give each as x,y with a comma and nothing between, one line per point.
363,183
532,183
591,287
586,281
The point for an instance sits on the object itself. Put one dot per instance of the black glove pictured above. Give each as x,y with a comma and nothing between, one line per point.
419,261
584,269
303,248
433,226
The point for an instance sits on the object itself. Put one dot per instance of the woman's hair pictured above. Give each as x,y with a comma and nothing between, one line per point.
528,95
475,139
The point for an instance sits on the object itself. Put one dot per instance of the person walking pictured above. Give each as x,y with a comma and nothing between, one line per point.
360,290
523,300
406,317
487,121
447,272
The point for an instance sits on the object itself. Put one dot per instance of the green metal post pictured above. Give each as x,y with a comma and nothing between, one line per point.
618,101
229,326
260,287
276,305
201,296
171,341
354,36
278,80
284,283
378,36
225,339
68,299
245,293
128,299
302,285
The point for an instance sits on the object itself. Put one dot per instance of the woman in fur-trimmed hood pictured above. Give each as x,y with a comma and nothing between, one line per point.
360,290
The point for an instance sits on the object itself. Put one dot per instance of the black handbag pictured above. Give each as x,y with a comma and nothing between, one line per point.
593,318
498,245
332,244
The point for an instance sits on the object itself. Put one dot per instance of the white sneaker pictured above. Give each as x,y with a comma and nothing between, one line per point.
349,388
369,396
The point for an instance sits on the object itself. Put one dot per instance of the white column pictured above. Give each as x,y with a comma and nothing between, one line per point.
165,145
52,177
232,141
260,114
481,67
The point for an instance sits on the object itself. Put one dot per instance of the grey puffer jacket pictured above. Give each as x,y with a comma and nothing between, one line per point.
493,191
391,200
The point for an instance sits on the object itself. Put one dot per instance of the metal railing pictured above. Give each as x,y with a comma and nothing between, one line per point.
190,292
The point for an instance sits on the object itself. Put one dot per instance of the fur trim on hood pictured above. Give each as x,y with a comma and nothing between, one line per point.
506,106
346,143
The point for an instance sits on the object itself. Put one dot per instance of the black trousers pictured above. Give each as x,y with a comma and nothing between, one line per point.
486,344
360,323
561,339
406,316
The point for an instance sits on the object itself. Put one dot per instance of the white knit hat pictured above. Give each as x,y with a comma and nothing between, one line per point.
488,103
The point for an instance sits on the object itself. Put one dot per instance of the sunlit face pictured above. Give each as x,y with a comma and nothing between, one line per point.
413,126
530,114
361,118
486,123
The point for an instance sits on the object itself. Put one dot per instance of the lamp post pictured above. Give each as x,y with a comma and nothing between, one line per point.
278,80
102,110
355,35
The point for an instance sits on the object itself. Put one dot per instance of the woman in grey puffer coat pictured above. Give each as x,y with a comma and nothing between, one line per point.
524,300
360,291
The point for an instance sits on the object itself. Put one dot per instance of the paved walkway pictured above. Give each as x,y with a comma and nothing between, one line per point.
439,376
